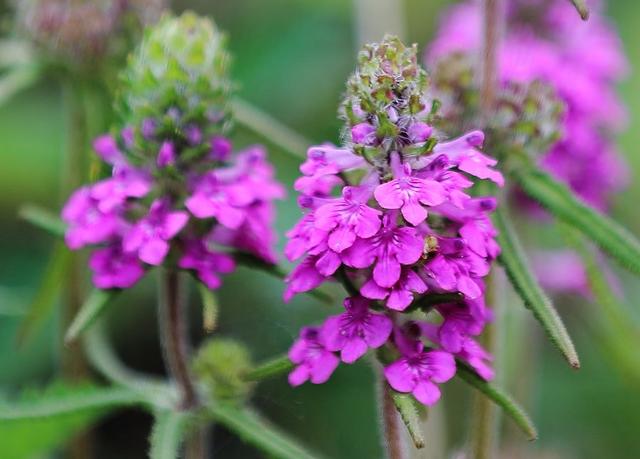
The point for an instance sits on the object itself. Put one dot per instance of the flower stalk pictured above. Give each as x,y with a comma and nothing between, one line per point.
393,441
485,418
173,336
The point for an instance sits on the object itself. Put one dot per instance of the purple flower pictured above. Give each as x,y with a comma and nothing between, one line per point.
303,278
390,248
225,202
452,338
348,217
418,371
313,361
166,155
220,148
356,330
455,268
304,237
126,182
363,133
401,294
464,154
193,135
409,193
87,223
327,159
149,236
113,268
206,263
107,148
255,235
419,132
148,128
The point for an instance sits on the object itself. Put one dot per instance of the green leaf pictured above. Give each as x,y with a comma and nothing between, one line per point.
270,129
581,6
46,293
42,421
515,262
89,311
102,356
271,368
209,308
167,435
406,406
16,80
503,400
43,219
614,328
560,201
253,429
251,261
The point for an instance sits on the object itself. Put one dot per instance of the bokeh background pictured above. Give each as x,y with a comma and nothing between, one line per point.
291,59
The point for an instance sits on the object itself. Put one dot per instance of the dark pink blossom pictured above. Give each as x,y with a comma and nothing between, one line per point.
356,330
150,236
313,361
463,153
409,193
418,371
87,223
114,268
208,264
166,155
347,218
392,247
125,183
401,294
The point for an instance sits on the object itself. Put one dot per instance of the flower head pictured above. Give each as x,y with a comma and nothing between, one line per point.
177,194
388,215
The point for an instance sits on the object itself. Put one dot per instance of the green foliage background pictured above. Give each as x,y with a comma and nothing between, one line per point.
291,57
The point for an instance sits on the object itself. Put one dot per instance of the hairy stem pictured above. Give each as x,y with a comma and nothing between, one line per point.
492,30
73,362
173,336
391,426
484,423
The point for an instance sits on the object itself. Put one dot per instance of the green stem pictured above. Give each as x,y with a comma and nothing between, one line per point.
485,420
73,362
485,417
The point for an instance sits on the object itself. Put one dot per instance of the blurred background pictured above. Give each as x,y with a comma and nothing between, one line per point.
291,59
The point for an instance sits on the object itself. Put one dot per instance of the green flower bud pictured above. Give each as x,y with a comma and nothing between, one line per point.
386,106
220,365
177,77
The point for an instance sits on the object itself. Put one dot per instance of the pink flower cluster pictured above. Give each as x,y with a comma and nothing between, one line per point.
172,204
404,230
582,60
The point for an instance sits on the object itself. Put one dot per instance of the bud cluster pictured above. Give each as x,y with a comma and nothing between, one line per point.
546,43
84,30
527,117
